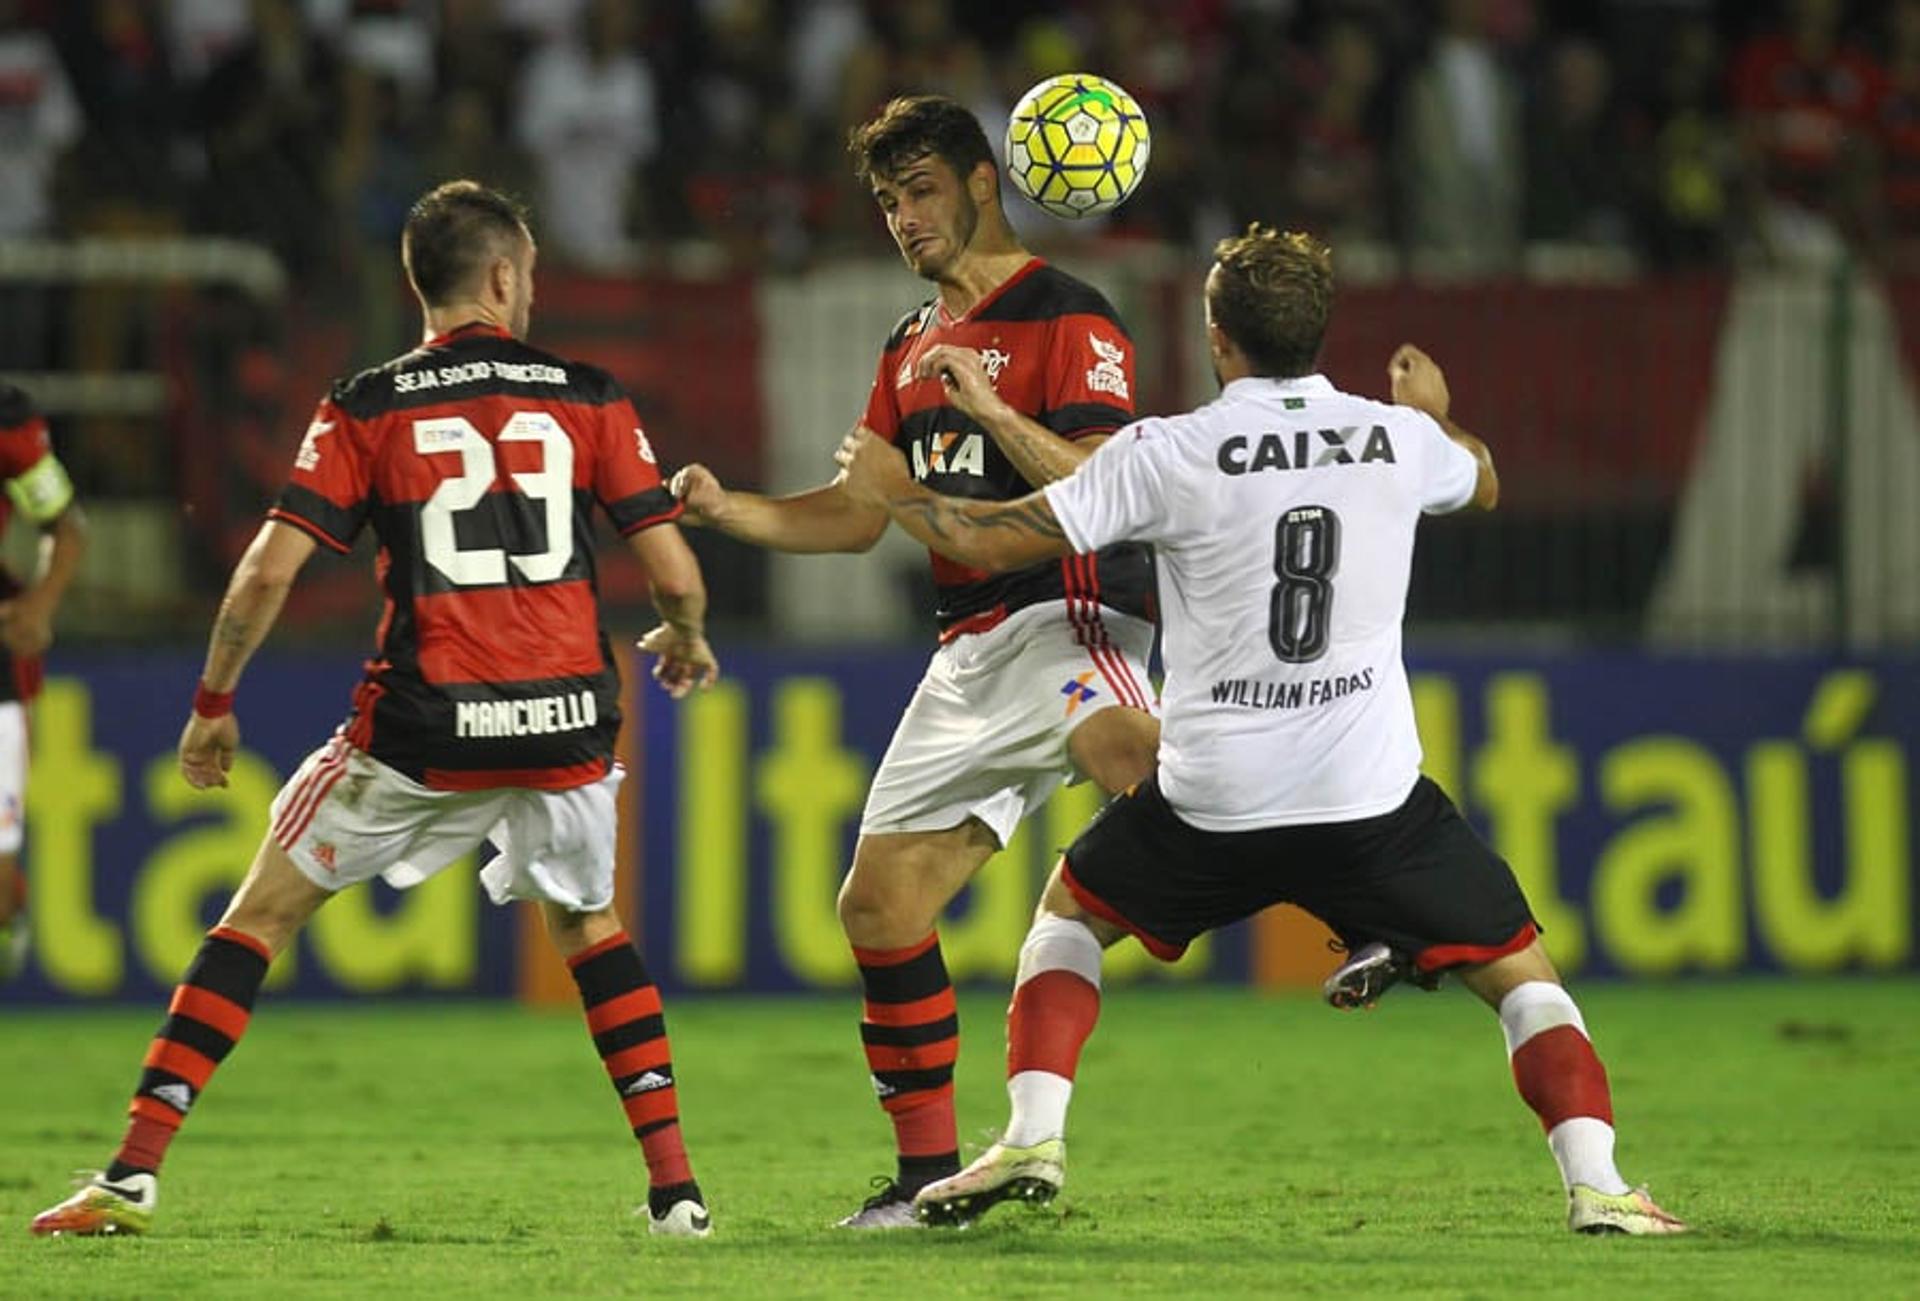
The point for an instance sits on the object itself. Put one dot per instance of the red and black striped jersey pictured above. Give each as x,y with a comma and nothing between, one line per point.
24,445
477,461
1056,351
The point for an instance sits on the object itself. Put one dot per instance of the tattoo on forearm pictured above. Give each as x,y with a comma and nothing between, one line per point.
965,523
1039,452
231,632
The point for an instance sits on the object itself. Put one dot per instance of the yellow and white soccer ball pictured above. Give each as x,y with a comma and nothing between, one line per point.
1077,145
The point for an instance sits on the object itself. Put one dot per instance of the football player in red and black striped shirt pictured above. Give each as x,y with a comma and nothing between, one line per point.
1041,673
489,709
38,485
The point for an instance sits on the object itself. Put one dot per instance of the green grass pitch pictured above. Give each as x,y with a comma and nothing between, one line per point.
1224,1143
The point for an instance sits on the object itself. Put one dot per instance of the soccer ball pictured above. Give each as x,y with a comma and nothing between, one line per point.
1077,145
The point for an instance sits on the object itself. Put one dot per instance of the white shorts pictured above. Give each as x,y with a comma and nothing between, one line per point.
985,734
13,774
345,817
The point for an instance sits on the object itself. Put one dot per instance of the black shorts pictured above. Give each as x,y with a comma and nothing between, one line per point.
1417,878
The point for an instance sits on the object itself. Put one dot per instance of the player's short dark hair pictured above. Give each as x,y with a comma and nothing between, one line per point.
452,231
1272,296
912,127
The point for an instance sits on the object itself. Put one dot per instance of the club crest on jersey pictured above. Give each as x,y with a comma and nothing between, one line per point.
950,454
995,361
1078,692
1109,374
308,457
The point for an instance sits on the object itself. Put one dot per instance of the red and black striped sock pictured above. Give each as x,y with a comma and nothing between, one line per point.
623,1013
912,1035
209,1013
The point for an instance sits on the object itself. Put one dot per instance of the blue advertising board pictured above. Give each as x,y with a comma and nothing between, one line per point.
1666,816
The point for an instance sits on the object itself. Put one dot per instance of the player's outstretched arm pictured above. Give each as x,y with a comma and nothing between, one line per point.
823,519
991,535
26,621
680,595
255,593
1040,455
1417,381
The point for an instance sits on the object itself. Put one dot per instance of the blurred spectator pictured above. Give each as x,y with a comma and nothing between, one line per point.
588,118
1690,162
1575,182
1805,103
202,33
1458,157
39,120
751,189
921,51
1900,136
265,114
1256,115
379,169
127,165
1335,184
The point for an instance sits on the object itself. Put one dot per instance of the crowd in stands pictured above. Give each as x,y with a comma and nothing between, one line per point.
1455,134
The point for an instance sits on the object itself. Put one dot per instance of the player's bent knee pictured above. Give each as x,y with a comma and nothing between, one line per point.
1493,981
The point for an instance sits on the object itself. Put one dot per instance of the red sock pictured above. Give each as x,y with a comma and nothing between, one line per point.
209,1013
623,1012
1561,1078
1052,1015
912,1034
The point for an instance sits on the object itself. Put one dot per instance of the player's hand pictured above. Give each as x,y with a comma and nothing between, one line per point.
686,661
871,469
963,374
26,625
207,747
1418,381
701,493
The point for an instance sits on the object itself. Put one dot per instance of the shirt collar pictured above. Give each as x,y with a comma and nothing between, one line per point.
471,327
1250,385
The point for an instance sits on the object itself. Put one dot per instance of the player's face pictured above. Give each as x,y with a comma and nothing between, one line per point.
929,214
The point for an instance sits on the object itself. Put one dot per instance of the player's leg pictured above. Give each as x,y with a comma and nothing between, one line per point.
1056,1001
888,906
1136,870
1115,748
1420,881
14,933
630,1033
209,1012
556,849
1560,1077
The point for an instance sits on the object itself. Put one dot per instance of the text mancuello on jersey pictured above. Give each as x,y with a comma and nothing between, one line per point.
535,717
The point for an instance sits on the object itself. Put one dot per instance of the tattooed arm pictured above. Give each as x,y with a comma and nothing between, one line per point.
991,535
1040,455
254,596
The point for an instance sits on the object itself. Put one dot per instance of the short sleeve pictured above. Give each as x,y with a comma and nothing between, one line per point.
1127,491
1089,378
626,476
331,487
882,415
1449,473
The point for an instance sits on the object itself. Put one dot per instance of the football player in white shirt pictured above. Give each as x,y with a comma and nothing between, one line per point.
1283,514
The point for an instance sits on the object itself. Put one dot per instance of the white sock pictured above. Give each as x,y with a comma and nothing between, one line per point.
1582,1146
1039,1101
1039,1098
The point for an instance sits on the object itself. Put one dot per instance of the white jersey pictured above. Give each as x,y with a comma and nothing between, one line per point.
1283,515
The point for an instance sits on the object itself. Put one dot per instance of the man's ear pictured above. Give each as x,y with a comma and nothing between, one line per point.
982,182
500,279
